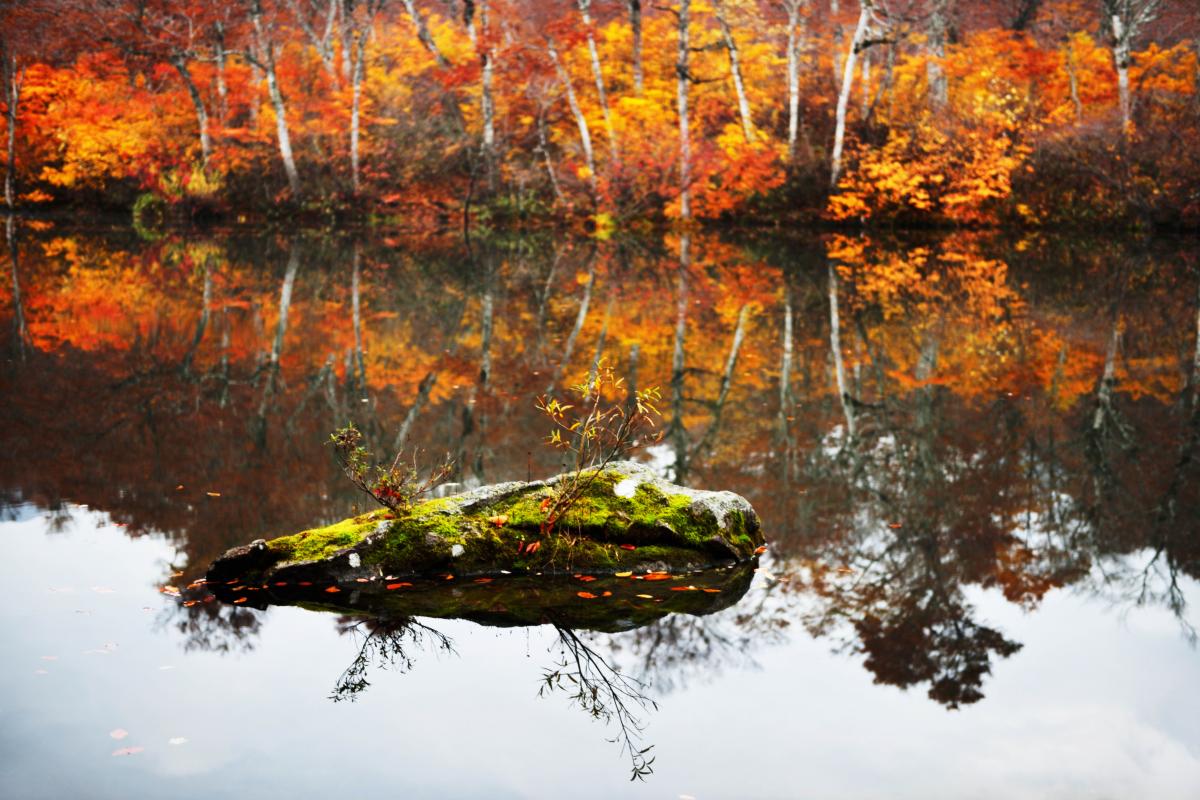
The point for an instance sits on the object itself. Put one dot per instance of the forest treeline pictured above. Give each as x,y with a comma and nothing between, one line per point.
897,112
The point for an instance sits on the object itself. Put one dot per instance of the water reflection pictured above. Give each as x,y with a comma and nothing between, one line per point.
912,419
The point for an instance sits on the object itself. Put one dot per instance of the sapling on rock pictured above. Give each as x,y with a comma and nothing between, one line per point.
598,432
394,487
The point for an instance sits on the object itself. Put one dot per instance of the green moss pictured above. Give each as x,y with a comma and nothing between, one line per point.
318,543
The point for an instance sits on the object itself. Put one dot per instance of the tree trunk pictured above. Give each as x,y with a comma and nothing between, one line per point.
360,55
793,76
936,44
285,302
220,56
13,78
735,70
735,346
635,27
487,103
839,131
585,135
1121,60
198,103
598,76
544,147
423,34
580,319
682,87
266,50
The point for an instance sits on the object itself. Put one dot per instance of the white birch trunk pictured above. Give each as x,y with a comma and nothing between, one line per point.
839,130
735,70
682,88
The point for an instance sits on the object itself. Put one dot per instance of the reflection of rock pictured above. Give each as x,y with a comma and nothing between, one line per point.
586,602
626,518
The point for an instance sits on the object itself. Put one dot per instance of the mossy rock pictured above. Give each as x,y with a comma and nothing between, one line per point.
627,520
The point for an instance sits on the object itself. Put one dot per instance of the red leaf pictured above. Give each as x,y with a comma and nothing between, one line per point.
398,585
333,590
586,595
628,547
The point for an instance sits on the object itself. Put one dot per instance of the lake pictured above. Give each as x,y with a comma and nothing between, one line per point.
975,458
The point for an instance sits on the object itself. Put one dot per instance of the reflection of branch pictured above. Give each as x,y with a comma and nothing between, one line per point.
386,644
603,692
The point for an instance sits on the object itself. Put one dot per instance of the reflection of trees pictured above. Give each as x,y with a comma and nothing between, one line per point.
214,627
385,644
597,687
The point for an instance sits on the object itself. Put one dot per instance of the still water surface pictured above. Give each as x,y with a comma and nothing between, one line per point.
975,461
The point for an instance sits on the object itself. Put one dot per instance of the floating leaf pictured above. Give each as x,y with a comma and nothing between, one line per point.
398,585
240,600
683,588
585,578
586,595
213,494
711,591
622,574
646,596
656,576
483,580
332,590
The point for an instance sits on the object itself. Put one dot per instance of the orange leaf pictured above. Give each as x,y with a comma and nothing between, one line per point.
607,594
546,504
333,590
586,578
760,550
683,588
213,494
711,591
483,580
398,585
895,525
656,576
240,600
586,595
532,547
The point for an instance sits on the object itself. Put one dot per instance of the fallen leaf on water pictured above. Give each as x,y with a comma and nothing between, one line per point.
398,585
586,595
240,600
683,588
656,576
448,577
177,740
483,580
499,520
646,596
607,594
585,578
119,733
281,583
128,751
711,591
622,574
362,580
332,590
628,547
189,603
305,583
894,525
179,487
213,494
